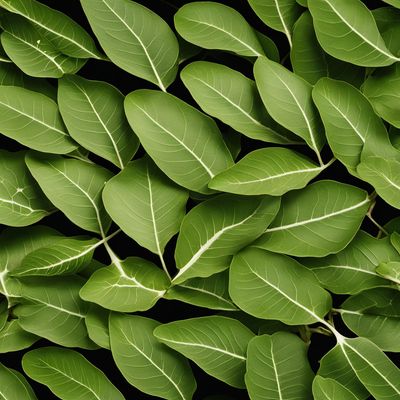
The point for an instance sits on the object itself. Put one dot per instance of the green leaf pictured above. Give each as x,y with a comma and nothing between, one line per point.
316,221
184,143
64,33
386,17
216,344
257,276
346,30
374,314
66,256
33,120
14,386
211,292
278,14
145,204
3,313
54,299
14,338
137,289
32,52
147,364
228,95
329,389
272,170
394,3
384,176
352,270
270,49
218,228
382,89
390,271
21,201
287,98
93,113
96,321
68,375
135,39
213,25
278,368
74,187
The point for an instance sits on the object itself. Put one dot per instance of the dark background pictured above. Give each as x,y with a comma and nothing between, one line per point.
165,310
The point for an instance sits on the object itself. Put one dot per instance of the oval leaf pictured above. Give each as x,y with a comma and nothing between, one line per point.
329,389
14,338
14,386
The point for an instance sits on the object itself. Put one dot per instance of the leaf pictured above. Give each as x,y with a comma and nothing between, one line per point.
352,270
3,313
394,3
68,374
350,123
287,98
137,289
135,39
390,271
93,113
64,33
211,234
54,299
66,256
271,170
347,30
384,176
270,49
382,90
14,386
318,220
216,344
21,201
329,389
184,143
74,187
33,120
278,14
374,314
278,368
213,25
152,206
211,292
96,321
228,95
273,286
32,52
14,338
147,364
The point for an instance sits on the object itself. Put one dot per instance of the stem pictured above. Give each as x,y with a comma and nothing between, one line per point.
164,267
320,160
329,163
369,215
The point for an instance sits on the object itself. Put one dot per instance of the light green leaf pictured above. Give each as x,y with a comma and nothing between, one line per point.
390,271
32,52
33,120
273,286
346,30
21,201
64,33
147,364
54,299
96,321
218,228
382,89
135,39
287,98
384,176
14,338
93,113
278,14
375,315
318,220
140,285
185,144
146,204
272,170
213,25
329,389
216,344
211,292
3,313
228,95
66,256
74,187
278,368
394,3
14,386
68,375
352,270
